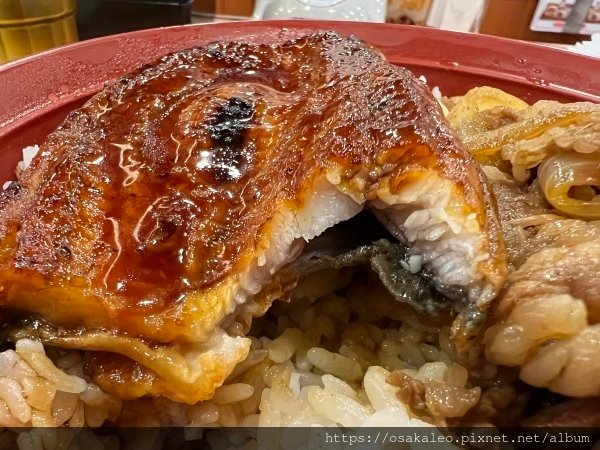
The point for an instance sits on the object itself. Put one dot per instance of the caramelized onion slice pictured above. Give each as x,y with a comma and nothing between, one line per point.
535,120
560,173
482,109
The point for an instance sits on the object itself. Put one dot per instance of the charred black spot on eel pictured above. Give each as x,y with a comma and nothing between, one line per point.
228,132
231,123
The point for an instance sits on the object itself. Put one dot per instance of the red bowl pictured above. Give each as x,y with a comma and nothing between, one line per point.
37,92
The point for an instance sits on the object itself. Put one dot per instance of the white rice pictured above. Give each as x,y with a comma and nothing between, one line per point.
34,391
435,91
29,153
325,363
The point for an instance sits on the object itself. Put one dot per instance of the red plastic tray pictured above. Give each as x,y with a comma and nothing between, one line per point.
37,92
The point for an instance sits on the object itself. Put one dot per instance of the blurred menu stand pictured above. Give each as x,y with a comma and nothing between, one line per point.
512,19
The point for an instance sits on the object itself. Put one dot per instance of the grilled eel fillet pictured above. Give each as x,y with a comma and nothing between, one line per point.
172,196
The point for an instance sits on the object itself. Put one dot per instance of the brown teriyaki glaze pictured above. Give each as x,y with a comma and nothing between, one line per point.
161,184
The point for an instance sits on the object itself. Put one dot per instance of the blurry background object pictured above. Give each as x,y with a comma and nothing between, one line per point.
567,16
512,19
506,18
577,18
30,26
589,48
235,8
103,17
366,11
241,9
411,12
456,15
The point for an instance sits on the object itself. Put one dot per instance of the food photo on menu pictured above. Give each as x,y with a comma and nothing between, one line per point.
299,224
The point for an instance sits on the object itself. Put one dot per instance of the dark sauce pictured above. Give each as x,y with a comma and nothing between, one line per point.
181,166
180,148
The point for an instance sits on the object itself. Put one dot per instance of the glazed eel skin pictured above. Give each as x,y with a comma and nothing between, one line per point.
169,200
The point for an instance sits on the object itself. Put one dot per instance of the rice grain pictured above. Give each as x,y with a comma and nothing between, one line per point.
202,414
7,419
13,366
11,393
337,407
227,417
338,386
232,393
253,358
335,364
381,394
283,347
39,392
33,353
63,406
